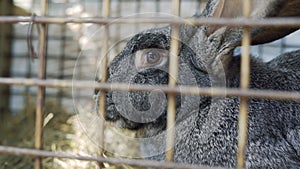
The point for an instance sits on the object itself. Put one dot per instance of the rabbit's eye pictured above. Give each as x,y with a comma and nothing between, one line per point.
152,57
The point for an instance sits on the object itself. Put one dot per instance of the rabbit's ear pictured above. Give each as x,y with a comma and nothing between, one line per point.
260,9
222,8
214,44
285,8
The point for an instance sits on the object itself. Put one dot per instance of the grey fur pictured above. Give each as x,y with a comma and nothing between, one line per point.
206,127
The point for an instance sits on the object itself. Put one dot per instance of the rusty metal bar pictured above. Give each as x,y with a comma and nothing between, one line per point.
172,90
188,90
102,99
176,7
245,81
287,22
173,75
131,162
38,144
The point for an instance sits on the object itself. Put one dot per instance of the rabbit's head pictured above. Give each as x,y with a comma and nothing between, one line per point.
205,54
145,60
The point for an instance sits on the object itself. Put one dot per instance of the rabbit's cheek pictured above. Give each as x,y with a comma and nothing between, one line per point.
112,115
133,110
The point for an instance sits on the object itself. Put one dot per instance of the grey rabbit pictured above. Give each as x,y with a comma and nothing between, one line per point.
206,127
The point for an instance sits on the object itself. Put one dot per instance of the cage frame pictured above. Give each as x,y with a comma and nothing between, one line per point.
171,89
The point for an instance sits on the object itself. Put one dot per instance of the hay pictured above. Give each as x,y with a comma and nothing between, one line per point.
86,125
63,132
18,130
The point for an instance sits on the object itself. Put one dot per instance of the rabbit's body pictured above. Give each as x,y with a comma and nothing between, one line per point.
274,126
206,127
271,123
286,61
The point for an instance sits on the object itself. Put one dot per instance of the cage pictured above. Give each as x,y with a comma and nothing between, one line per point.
55,53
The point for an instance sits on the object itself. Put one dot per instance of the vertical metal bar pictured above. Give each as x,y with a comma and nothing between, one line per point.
173,74
62,58
202,5
198,5
260,51
282,46
176,7
245,80
157,8
6,59
157,5
41,90
102,99
137,10
117,34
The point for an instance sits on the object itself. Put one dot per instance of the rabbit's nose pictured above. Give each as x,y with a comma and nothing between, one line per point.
151,76
140,100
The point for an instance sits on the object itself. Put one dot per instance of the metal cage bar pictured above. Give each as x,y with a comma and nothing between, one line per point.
187,90
41,89
173,74
244,92
245,81
131,162
284,22
102,99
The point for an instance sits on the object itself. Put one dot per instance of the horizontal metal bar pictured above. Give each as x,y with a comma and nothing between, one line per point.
121,161
234,22
188,90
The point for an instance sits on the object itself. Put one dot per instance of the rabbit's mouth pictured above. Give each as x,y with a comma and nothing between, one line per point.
119,121
141,108
133,121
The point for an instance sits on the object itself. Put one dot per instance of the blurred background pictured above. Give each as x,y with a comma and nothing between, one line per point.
74,52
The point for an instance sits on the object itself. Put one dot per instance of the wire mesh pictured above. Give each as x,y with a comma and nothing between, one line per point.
39,121
46,21
102,100
173,76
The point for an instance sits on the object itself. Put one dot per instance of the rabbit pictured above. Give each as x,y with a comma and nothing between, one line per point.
206,127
